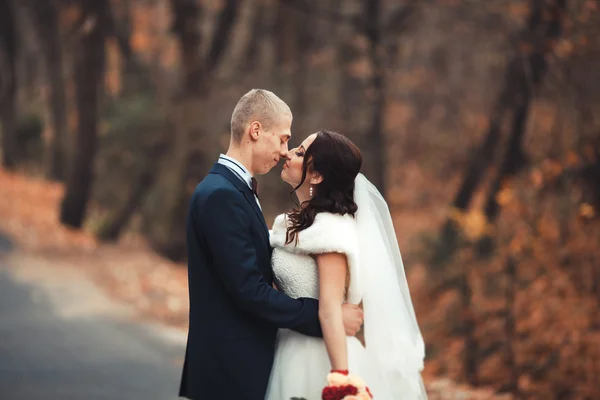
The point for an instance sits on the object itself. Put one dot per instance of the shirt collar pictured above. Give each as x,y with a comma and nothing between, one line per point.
237,167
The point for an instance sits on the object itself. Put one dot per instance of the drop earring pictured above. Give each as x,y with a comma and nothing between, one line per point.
310,191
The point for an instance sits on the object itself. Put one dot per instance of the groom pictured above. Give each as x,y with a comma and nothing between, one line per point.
234,310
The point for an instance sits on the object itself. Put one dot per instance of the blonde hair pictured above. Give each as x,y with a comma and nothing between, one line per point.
257,105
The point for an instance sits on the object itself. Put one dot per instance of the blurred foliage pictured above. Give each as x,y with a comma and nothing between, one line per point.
131,126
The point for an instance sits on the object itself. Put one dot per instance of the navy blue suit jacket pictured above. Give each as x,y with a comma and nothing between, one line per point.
234,310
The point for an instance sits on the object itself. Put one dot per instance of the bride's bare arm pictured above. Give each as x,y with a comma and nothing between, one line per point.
332,280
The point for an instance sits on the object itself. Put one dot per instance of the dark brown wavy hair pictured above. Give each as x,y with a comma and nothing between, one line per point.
338,161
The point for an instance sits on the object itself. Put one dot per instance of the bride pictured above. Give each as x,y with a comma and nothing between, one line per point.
340,246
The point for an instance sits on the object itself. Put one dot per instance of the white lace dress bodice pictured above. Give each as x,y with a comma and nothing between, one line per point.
296,275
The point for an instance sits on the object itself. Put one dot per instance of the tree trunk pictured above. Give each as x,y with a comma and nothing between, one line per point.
89,71
252,53
45,15
8,84
186,18
112,228
299,46
28,67
221,34
513,89
527,82
136,75
514,156
350,87
284,35
510,327
8,115
168,235
470,354
197,74
9,125
376,140
142,183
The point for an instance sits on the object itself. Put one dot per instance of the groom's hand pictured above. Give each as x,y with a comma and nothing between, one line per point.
353,318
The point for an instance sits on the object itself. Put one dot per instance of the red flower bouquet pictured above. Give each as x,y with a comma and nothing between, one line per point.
342,386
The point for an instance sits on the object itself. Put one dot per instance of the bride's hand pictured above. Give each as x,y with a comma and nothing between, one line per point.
353,318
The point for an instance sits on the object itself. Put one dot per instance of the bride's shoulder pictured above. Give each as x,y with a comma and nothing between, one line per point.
324,221
328,231
328,222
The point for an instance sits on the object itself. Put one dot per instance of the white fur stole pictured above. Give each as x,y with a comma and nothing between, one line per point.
329,233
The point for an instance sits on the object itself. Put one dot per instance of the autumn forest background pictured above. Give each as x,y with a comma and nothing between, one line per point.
478,119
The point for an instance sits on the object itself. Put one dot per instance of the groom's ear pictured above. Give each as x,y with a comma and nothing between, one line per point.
255,129
316,179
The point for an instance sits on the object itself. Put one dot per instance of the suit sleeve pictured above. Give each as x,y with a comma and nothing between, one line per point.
224,221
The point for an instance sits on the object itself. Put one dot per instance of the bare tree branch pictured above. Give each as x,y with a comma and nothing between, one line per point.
222,33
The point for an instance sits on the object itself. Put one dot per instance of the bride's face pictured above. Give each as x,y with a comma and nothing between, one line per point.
292,169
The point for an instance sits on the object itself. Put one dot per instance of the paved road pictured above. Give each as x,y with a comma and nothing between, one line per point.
85,356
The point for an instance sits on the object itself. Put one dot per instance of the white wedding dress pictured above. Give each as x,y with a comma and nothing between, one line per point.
301,362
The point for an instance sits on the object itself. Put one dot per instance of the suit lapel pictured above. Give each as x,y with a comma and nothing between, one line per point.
242,187
250,198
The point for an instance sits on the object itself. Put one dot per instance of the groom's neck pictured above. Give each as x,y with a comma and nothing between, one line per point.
241,155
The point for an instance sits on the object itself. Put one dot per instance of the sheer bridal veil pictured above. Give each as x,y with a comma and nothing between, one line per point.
392,336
